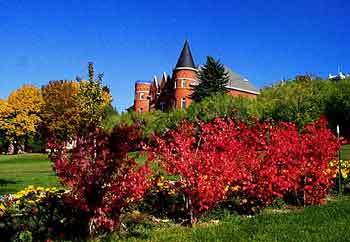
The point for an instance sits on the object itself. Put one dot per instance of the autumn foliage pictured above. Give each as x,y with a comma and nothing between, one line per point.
20,114
211,162
102,178
254,163
61,112
70,107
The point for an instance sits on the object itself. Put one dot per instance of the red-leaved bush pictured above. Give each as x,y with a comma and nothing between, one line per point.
255,163
319,146
203,167
102,178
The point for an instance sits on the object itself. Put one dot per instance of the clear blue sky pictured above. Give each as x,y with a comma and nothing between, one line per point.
264,41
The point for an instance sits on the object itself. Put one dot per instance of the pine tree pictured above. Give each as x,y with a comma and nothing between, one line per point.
213,79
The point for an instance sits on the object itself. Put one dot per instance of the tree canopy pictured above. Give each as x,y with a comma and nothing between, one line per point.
71,106
61,111
20,114
213,79
93,98
303,101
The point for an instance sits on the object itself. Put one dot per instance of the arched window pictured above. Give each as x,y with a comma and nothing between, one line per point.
183,83
183,103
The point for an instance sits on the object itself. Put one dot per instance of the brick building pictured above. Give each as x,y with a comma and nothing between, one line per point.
167,91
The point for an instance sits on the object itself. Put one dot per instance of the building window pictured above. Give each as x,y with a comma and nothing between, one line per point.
162,106
175,84
183,103
142,95
140,110
183,83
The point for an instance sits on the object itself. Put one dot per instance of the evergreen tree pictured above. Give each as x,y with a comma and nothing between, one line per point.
213,79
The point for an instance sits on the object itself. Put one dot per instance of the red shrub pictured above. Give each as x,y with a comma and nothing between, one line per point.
102,178
204,171
319,146
259,162
273,170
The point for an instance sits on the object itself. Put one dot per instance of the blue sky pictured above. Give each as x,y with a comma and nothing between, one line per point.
264,41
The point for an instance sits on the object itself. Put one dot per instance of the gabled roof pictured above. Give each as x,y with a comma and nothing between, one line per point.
185,59
238,83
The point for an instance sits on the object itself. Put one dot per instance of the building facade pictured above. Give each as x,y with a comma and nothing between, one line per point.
174,91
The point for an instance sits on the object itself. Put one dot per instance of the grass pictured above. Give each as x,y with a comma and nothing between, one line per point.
19,171
316,223
345,152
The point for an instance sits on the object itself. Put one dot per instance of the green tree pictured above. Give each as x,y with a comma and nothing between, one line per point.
296,101
223,105
213,79
338,106
303,101
93,100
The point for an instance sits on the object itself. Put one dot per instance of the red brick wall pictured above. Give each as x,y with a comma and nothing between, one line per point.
180,92
236,93
185,91
142,104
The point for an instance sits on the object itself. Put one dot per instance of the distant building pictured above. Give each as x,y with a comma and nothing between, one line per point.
338,77
174,91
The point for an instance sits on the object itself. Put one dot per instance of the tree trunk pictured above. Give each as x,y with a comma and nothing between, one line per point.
189,208
10,149
15,149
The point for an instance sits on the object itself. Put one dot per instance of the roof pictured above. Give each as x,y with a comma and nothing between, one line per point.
185,59
143,81
238,83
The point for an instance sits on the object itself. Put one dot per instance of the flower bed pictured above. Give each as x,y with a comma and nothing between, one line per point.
38,213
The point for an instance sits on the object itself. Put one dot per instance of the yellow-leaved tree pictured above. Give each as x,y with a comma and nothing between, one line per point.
20,115
61,113
72,107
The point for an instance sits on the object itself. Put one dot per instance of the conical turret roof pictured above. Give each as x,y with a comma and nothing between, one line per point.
185,59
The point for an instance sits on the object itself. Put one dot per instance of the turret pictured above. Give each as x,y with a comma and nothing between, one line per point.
142,96
185,73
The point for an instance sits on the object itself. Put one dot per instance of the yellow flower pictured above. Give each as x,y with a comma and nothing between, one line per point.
172,192
31,202
129,200
37,192
2,209
235,188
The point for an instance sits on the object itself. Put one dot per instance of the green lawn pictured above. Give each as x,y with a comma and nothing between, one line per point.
19,171
315,224
345,152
